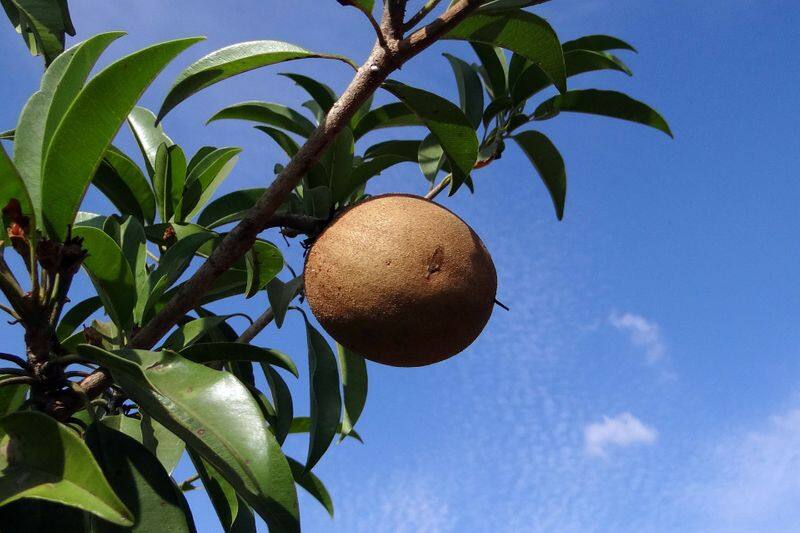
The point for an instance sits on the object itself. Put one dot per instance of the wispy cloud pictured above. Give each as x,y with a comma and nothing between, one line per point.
754,480
623,431
643,333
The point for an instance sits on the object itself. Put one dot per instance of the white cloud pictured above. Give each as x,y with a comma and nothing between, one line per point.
754,480
624,430
643,333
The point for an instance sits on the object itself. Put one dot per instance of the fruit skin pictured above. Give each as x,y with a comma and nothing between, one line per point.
401,280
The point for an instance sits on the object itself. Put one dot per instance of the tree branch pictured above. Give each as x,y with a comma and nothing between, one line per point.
367,80
429,6
392,24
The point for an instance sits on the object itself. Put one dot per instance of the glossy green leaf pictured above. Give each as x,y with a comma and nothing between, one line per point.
312,484
302,424
521,32
76,316
199,156
280,296
172,265
533,79
204,180
210,352
321,93
497,6
282,403
229,208
282,139
12,187
230,61
339,162
42,459
220,492
407,150
90,124
194,402
495,68
148,135
354,387
192,331
169,178
597,43
388,116
140,481
431,157
604,103
160,441
549,163
44,26
44,110
110,273
325,401
276,115
121,181
133,243
446,122
11,398
470,89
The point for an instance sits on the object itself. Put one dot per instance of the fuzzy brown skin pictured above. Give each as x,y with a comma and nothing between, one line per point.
401,280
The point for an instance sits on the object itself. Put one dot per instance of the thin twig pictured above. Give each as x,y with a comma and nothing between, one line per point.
429,6
19,361
442,185
257,326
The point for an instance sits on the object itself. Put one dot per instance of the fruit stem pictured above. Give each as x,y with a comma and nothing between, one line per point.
442,185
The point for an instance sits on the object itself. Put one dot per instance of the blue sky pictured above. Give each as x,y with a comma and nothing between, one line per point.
646,378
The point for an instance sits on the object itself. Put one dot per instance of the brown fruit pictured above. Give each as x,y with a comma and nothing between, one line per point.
401,280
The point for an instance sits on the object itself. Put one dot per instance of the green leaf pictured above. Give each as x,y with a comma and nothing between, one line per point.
11,398
60,84
172,265
160,441
211,352
354,386
110,273
7,135
133,243
42,459
302,424
44,20
229,208
533,79
192,331
549,163
221,493
470,89
407,150
496,6
280,296
370,168
521,32
431,157
312,484
140,481
169,178
148,135
388,116
121,181
446,122
76,316
267,113
231,61
321,93
282,401
366,5
193,401
325,401
604,103
339,162
12,187
92,121
204,180
282,139
597,43
493,60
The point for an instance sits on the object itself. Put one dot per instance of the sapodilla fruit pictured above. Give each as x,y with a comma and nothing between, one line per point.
401,280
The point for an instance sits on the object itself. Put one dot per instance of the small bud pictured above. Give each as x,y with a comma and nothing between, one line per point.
169,236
